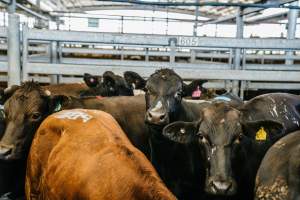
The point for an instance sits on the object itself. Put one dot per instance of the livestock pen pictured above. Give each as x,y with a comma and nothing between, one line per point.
196,92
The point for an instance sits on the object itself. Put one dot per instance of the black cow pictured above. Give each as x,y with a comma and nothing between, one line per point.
278,176
92,81
282,107
164,91
233,141
30,104
135,80
109,84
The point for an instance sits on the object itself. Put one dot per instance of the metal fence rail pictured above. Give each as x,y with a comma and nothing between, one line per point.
47,52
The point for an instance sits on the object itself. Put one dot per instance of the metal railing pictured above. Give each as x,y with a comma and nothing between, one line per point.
46,52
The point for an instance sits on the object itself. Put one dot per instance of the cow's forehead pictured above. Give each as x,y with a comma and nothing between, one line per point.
170,83
26,100
220,111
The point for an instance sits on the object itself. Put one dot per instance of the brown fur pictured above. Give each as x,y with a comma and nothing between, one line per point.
72,89
129,111
73,159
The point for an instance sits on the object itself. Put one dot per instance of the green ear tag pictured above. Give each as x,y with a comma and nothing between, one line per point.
57,108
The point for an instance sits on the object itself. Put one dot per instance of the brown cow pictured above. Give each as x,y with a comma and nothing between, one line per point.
84,154
72,89
30,104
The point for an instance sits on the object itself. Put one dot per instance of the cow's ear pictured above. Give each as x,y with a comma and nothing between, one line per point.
109,78
263,130
194,86
90,80
58,102
181,132
7,93
135,80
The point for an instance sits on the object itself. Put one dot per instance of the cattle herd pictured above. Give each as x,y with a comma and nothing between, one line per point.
99,141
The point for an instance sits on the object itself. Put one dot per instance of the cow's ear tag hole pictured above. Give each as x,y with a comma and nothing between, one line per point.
261,134
57,107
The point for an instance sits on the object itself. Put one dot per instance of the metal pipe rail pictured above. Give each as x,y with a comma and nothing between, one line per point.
211,71
167,53
161,40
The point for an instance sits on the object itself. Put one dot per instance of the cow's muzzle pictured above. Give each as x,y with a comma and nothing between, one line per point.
6,151
221,186
158,118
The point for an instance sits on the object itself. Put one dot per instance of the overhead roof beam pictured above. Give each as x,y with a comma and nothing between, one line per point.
139,7
210,3
33,13
24,8
265,18
246,11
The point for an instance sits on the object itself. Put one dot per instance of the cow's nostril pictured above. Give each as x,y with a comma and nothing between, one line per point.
5,151
221,186
162,117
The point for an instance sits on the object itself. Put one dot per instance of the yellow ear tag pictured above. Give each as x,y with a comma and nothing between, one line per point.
261,134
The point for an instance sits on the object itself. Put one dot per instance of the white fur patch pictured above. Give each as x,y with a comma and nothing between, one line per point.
157,106
47,92
73,115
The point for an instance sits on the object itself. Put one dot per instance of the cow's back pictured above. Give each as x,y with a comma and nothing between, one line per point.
80,154
129,111
281,107
70,89
278,176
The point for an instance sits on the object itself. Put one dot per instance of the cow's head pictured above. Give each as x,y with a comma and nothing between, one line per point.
109,84
91,80
164,91
220,135
24,112
134,79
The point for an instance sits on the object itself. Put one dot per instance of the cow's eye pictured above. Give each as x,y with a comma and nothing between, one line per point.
201,137
36,116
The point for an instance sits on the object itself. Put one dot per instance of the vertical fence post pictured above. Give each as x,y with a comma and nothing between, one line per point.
25,53
147,54
173,50
237,57
243,83
292,24
197,13
14,54
53,58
